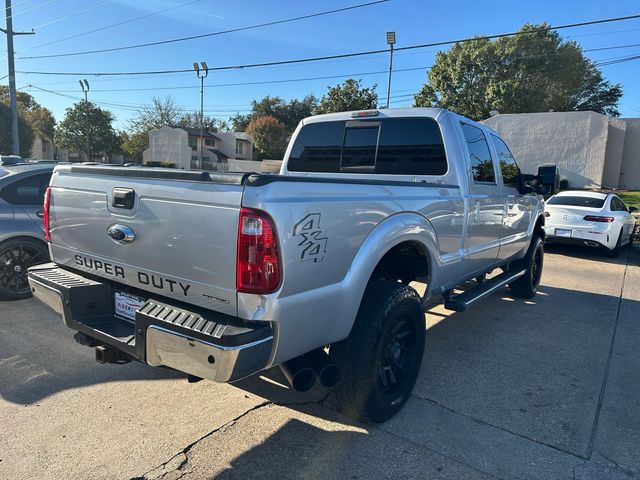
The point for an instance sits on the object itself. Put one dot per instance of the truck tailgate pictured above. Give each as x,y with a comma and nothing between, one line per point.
185,227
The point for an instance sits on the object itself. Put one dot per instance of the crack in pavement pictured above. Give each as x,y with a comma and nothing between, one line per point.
502,429
630,470
596,418
182,458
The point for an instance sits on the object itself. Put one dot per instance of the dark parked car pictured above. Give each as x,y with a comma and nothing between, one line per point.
22,243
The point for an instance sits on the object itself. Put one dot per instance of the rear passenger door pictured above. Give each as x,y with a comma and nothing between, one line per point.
513,237
27,194
486,203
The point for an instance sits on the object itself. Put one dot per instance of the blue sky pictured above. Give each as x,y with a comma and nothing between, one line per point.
415,21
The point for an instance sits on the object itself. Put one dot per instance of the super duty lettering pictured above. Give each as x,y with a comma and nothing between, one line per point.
310,269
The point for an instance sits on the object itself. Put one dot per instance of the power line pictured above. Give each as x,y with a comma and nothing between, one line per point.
113,25
211,34
344,55
615,61
86,10
326,77
32,8
261,82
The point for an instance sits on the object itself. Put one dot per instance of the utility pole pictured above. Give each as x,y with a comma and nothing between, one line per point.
391,40
15,138
202,68
84,85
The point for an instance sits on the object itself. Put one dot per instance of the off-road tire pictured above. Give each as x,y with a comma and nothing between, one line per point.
21,253
389,331
527,285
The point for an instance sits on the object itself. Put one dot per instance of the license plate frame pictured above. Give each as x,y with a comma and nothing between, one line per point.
563,233
125,305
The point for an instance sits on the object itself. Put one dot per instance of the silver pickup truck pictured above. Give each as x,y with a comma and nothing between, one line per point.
221,276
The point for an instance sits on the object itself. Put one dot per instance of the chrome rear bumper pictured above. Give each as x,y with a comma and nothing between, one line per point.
201,343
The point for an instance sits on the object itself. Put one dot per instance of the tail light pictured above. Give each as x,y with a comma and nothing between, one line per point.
258,267
596,218
47,204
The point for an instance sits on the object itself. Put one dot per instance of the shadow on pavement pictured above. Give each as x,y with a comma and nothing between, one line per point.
534,368
38,357
628,254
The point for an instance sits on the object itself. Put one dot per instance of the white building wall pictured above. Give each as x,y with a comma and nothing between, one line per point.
168,144
630,169
575,141
614,152
228,146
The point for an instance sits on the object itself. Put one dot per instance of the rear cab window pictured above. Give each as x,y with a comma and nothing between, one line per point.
400,146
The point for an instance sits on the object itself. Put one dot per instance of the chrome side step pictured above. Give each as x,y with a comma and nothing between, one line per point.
462,301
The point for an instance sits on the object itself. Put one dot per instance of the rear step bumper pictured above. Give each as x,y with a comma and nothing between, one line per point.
203,344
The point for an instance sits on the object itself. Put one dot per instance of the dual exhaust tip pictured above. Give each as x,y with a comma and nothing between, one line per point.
302,372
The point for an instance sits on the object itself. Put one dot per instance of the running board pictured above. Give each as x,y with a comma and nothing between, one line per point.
462,301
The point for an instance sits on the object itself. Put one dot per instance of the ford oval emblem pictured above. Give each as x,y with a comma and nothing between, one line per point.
121,233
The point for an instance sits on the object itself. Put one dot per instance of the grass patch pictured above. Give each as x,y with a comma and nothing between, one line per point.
631,199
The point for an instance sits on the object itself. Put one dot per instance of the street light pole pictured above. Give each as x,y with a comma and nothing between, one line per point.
391,40
15,136
84,85
205,69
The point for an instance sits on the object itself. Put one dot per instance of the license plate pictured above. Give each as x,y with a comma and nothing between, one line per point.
563,233
127,304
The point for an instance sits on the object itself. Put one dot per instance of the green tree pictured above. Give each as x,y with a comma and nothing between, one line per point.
212,124
535,71
83,121
25,131
134,144
288,113
33,119
269,137
160,112
350,95
239,122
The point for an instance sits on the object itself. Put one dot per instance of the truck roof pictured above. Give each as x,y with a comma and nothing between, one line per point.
382,113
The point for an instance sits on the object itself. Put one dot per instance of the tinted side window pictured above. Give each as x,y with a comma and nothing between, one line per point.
479,155
400,146
28,191
508,165
618,205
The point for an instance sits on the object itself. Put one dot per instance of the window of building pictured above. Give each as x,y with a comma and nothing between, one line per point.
193,142
210,142
239,148
479,154
402,146
508,165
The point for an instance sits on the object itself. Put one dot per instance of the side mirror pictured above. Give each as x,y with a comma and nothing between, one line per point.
548,179
632,209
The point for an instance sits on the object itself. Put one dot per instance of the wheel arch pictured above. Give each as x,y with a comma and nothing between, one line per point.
24,236
392,237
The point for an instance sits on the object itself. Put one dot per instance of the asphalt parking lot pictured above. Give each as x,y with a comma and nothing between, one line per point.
546,388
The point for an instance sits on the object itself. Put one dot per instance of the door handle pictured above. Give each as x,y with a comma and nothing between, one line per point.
40,213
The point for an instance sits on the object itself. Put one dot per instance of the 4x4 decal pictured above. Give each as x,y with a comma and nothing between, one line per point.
314,246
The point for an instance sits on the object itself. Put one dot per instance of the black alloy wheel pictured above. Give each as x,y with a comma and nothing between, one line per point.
16,256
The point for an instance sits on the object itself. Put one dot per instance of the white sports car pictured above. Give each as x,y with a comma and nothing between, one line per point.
589,218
